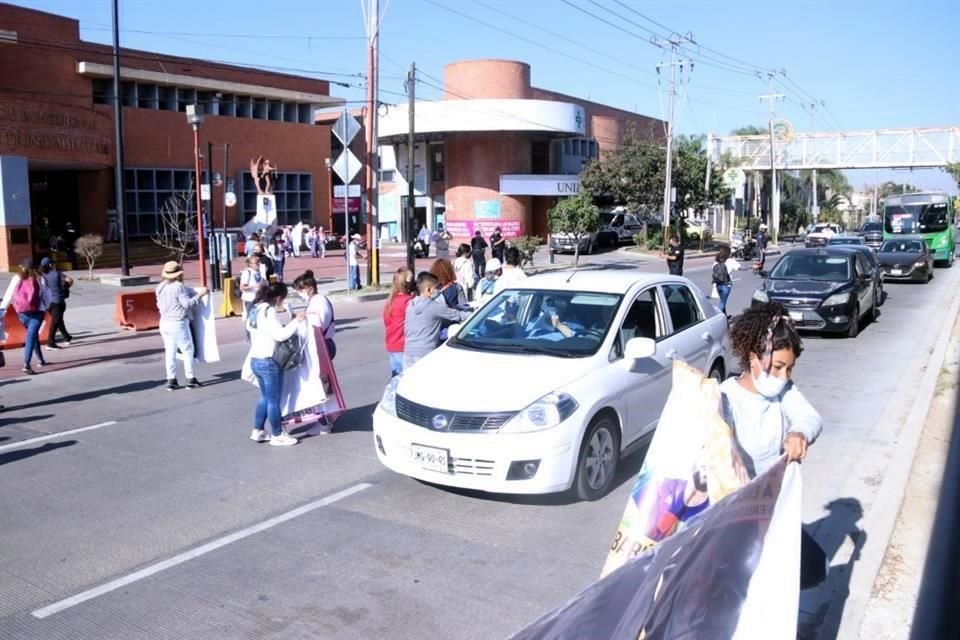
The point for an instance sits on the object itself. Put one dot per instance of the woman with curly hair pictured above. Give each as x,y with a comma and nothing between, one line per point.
769,415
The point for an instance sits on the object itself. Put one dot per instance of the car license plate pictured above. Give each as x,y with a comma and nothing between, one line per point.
796,316
430,457
896,272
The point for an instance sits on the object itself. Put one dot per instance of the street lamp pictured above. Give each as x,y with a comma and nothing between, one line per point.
195,119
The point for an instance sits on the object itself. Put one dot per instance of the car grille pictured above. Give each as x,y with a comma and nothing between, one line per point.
797,304
453,421
472,466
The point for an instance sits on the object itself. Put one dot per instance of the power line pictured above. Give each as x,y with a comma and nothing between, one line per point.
245,36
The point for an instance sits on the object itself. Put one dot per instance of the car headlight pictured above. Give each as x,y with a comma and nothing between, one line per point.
388,402
942,242
545,413
836,299
920,263
761,296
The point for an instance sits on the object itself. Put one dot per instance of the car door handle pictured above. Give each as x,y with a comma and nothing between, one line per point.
672,354
707,336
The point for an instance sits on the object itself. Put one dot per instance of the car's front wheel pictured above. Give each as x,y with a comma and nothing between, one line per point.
854,323
599,457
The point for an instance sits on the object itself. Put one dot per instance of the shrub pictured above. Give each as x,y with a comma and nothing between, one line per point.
90,246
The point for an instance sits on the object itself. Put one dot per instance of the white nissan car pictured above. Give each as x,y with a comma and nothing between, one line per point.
549,384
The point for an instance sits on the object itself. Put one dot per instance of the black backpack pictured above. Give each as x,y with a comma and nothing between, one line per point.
287,354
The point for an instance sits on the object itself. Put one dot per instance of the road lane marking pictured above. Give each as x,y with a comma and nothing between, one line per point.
54,436
196,552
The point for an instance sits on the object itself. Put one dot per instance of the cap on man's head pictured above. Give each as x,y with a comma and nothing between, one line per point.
356,236
493,265
45,262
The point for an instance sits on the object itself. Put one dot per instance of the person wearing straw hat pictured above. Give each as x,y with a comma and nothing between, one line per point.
175,301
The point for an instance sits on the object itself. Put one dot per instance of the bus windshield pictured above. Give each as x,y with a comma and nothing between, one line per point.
930,217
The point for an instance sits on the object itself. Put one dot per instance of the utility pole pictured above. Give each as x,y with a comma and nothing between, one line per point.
118,168
411,158
771,97
228,266
372,166
814,208
673,42
212,232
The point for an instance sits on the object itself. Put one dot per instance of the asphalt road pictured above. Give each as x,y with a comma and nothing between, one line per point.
165,521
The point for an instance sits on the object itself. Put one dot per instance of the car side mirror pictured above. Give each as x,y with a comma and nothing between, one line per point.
639,349
764,273
453,330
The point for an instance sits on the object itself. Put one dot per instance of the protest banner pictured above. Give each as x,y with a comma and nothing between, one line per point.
203,328
732,573
312,389
692,463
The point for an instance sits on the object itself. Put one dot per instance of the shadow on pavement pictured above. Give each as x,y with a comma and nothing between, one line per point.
356,419
20,420
20,454
821,608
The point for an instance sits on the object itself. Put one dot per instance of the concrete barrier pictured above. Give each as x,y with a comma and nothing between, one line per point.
137,311
232,304
17,335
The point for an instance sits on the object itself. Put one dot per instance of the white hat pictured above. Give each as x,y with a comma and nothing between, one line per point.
493,264
356,236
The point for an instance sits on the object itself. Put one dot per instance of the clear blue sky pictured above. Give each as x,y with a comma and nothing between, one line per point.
879,64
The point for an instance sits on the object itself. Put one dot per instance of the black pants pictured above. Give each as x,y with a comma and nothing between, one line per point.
479,264
57,309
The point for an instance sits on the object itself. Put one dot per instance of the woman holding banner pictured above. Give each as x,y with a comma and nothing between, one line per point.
311,392
769,415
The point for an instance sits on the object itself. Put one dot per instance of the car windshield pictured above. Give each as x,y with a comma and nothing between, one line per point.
823,268
844,241
902,246
929,217
872,227
569,324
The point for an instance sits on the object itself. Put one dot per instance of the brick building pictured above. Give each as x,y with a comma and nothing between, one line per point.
495,151
57,133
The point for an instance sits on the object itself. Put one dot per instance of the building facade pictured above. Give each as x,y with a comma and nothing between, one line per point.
495,151
57,134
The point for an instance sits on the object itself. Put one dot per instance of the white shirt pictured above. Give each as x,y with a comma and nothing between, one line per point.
761,425
251,277
320,314
268,331
352,253
508,277
463,267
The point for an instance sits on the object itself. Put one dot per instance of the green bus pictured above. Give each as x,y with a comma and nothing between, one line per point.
930,215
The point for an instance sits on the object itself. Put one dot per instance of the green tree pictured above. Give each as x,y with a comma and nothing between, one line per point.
577,217
954,171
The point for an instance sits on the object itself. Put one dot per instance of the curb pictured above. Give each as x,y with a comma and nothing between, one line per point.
885,510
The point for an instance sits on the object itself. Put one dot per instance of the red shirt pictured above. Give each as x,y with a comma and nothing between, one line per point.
394,314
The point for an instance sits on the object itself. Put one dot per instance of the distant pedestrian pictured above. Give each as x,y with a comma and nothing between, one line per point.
498,244
175,302
423,237
278,253
304,384
252,279
478,247
266,262
250,246
322,242
442,240
762,240
27,293
674,256
425,318
58,287
266,331
463,267
394,316
487,285
512,273
353,262
721,277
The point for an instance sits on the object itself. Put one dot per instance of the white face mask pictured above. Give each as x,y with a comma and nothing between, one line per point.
768,385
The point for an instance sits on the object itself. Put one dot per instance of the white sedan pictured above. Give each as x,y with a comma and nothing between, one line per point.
549,384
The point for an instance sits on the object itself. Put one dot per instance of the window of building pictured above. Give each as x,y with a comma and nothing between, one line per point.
438,171
102,91
148,190
388,175
294,192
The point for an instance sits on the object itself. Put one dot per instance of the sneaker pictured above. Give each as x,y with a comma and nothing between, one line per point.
29,371
193,383
42,364
67,343
282,440
172,385
259,435
53,347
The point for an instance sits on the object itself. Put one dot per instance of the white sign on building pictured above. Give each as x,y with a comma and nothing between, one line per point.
539,185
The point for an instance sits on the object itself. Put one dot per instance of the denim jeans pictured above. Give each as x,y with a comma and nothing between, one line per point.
354,282
32,321
176,335
396,363
270,379
724,291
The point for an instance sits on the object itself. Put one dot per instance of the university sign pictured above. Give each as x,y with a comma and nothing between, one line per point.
539,185
54,132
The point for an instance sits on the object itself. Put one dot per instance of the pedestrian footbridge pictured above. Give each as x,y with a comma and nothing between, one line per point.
876,149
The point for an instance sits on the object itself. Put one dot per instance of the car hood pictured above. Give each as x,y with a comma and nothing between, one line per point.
465,380
900,257
803,288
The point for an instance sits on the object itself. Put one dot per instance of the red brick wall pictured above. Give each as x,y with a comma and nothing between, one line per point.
486,79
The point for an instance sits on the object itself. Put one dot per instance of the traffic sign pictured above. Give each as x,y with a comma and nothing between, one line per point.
230,198
346,128
347,166
204,192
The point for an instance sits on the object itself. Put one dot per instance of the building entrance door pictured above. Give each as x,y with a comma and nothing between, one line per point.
54,202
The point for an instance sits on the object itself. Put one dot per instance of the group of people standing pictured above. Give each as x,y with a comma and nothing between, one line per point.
33,293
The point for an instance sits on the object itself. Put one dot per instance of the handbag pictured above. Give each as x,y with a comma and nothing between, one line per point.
713,292
288,354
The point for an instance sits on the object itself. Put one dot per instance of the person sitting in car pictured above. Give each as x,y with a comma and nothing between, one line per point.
553,322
